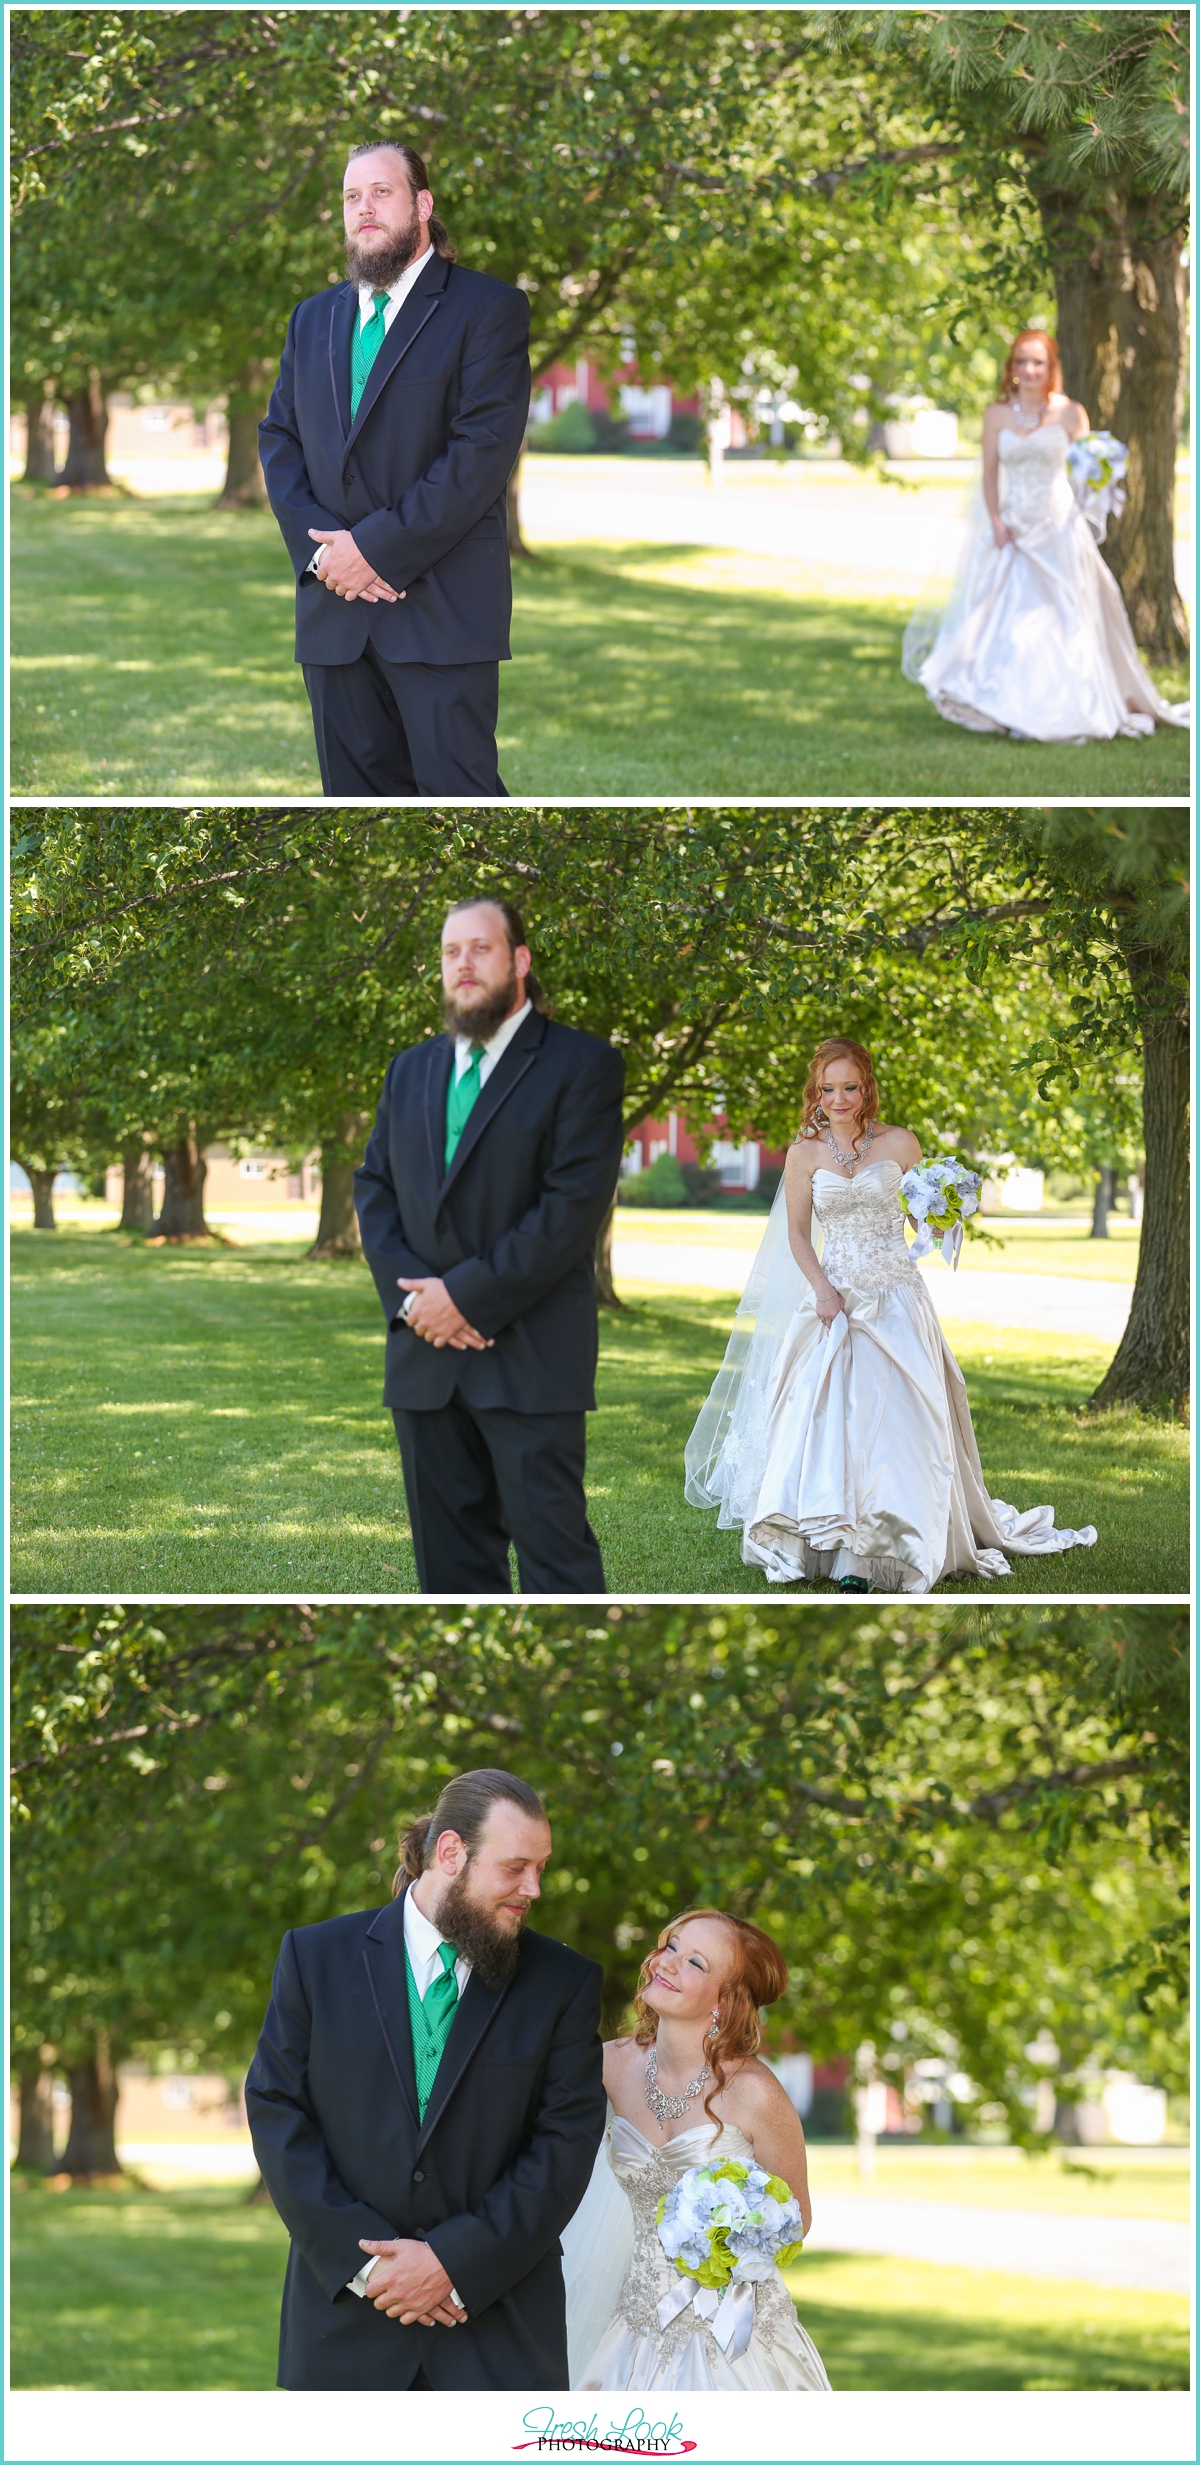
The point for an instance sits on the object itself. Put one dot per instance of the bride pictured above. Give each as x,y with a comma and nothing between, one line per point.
698,2030
837,1434
1035,639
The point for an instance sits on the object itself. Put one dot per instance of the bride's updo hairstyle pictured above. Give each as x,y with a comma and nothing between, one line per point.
1008,381
759,1977
838,1048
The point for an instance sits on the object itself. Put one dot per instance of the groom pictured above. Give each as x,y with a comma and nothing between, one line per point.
387,449
426,2103
487,1177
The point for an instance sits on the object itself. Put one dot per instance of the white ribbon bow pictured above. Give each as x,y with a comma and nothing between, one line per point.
951,1243
730,2316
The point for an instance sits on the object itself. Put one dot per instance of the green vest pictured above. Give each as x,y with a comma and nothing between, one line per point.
431,2021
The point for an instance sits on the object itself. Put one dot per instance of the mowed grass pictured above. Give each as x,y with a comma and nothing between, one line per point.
888,2323
208,1420
152,656
127,2289
1094,2182
996,1248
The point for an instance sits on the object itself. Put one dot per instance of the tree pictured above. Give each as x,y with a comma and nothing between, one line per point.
910,1802
1085,118
264,967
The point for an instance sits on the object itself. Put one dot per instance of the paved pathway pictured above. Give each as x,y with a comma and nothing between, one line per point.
847,530
1052,1304
1150,2254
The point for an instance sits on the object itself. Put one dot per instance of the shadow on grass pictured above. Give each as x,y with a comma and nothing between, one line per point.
153,655
905,2325
210,1421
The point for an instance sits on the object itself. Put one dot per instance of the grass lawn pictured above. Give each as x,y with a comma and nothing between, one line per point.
181,2290
208,1420
1091,2182
887,2323
998,1249
152,656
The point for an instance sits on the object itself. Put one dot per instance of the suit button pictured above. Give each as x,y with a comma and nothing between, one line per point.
418,2177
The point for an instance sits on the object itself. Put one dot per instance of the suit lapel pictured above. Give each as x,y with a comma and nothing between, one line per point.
343,313
477,2009
383,1953
422,303
437,1089
519,1057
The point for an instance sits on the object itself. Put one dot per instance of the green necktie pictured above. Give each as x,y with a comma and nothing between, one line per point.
367,339
431,2021
462,1095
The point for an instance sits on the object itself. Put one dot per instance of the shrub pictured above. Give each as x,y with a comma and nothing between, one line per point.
662,1186
572,431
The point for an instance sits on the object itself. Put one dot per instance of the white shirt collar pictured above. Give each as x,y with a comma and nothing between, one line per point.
495,1045
423,1943
396,291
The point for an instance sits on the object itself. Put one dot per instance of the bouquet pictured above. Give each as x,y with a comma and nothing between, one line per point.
940,1197
1097,464
726,2228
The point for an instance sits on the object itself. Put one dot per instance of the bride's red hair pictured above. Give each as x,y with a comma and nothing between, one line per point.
1008,382
838,1048
759,1977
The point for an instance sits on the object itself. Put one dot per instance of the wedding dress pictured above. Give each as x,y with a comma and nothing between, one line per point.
1035,638
634,2351
849,1450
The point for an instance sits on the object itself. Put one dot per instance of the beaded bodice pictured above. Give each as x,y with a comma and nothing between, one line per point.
1035,486
645,2173
865,1247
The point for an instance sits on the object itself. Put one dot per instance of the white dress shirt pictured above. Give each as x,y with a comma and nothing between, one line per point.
495,1046
423,1943
397,292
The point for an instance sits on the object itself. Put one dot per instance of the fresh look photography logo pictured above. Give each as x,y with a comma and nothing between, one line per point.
637,2435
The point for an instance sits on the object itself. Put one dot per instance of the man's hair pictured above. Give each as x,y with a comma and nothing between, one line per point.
514,928
418,177
463,1807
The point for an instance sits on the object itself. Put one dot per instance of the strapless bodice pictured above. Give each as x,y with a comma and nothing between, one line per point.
1035,485
865,1246
645,2173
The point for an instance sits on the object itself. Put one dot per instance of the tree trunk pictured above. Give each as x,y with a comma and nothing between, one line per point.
91,2148
87,410
337,1231
35,2146
182,1218
1106,1194
137,1197
1151,1364
1122,334
516,540
42,1186
39,450
249,395
606,1292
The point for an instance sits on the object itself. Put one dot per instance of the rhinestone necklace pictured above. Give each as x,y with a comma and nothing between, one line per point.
1027,421
848,1162
668,2109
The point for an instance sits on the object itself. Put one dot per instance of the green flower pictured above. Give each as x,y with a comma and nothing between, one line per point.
778,2189
790,2253
729,2171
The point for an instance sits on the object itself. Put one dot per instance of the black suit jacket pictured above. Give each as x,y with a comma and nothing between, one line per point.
419,475
511,1227
488,2179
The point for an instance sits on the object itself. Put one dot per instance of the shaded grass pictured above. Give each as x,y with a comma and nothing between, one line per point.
886,2323
152,656
199,1420
128,2289
181,2290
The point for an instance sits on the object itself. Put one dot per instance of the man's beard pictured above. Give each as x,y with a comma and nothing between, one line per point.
381,267
481,1022
492,1954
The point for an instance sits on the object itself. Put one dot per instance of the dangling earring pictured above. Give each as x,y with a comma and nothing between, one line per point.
819,1115
714,2029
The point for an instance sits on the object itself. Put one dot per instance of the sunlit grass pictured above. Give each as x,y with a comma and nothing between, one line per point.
153,655
192,1420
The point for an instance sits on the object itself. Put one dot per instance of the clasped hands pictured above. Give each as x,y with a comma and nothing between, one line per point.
411,2285
344,569
436,1319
